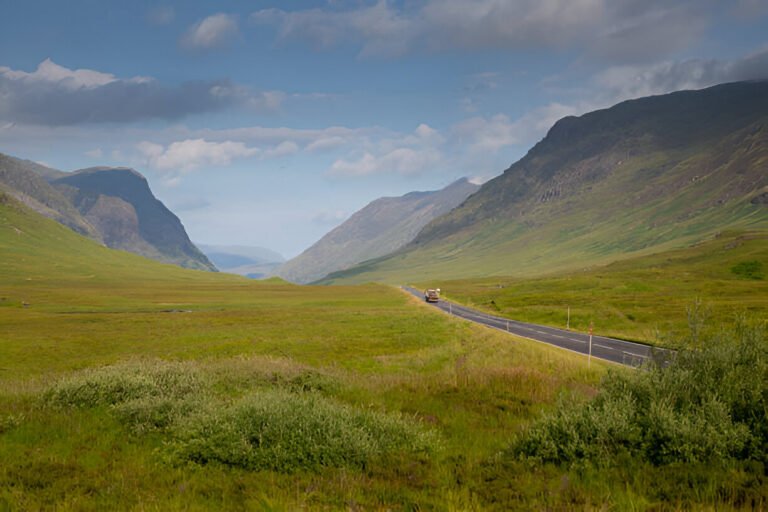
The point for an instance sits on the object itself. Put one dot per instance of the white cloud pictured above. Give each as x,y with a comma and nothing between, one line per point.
285,148
215,31
326,143
398,161
613,29
190,154
52,73
482,134
95,153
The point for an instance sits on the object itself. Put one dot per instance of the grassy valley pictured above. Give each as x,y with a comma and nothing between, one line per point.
655,299
130,384
116,369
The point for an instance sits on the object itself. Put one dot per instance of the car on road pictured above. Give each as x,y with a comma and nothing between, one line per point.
432,295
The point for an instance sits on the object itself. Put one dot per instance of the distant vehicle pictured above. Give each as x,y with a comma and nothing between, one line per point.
432,295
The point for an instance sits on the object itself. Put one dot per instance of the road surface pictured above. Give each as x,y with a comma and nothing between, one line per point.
609,349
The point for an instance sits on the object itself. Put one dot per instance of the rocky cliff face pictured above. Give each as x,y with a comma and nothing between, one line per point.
111,205
120,204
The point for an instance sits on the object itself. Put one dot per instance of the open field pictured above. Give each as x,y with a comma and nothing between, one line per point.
644,299
131,385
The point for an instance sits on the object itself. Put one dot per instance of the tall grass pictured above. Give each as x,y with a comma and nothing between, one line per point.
285,426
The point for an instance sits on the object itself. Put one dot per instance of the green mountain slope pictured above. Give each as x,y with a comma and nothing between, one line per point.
39,252
643,176
383,226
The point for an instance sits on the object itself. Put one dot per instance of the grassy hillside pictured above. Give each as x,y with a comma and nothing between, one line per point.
646,298
641,177
111,364
126,384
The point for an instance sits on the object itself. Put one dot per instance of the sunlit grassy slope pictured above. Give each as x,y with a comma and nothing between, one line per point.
441,396
641,177
646,298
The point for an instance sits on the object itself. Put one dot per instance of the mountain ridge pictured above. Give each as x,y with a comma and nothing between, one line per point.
382,226
111,205
645,174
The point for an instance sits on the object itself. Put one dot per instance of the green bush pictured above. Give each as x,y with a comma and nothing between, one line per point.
286,432
707,405
118,384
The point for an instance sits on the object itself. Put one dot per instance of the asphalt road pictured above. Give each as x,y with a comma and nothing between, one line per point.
609,349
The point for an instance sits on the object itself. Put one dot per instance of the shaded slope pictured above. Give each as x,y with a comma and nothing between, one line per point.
639,177
383,226
25,180
119,202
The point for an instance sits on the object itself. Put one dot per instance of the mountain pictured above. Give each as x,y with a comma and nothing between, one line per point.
118,202
25,181
253,262
385,225
113,206
639,177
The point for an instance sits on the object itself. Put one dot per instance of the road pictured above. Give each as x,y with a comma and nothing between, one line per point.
609,349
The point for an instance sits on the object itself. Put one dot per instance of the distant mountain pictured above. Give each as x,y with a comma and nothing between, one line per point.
642,176
254,262
118,202
385,225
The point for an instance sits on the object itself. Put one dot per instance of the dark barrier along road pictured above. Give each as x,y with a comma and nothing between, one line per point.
610,349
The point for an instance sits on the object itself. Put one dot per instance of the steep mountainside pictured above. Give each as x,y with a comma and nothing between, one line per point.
120,205
385,225
642,176
25,181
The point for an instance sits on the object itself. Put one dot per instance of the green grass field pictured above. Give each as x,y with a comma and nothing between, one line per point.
126,384
648,298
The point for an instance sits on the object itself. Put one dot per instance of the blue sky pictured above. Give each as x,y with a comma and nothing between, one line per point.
268,123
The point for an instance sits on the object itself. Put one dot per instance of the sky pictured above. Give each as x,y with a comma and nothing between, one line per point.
267,123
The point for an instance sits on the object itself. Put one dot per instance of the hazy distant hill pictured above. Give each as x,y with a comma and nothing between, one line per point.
254,262
644,175
383,226
118,202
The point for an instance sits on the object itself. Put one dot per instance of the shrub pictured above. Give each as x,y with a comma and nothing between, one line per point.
118,384
707,405
286,432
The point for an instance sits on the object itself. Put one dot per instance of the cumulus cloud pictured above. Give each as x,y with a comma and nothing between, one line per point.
612,29
398,161
190,154
487,134
216,31
56,95
410,153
